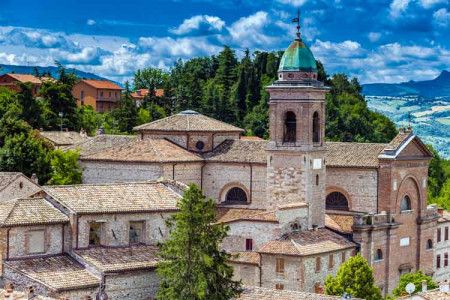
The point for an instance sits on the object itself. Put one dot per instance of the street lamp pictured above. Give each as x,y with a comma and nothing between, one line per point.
60,114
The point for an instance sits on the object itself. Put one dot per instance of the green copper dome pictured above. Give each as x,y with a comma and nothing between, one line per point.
298,57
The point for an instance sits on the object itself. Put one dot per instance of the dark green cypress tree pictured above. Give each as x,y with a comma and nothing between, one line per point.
31,107
193,267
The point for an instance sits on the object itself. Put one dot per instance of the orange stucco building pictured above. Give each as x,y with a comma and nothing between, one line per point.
102,95
10,81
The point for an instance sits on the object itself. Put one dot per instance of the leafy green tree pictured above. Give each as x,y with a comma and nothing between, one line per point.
192,266
127,113
436,174
354,277
26,153
416,279
143,116
31,107
149,78
66,169
88,119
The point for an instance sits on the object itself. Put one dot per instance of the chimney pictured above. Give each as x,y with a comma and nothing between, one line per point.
440,210
34,178
401,130
424,286
30,292
409,130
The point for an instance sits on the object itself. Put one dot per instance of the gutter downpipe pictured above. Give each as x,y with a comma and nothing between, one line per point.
251,182
173,171
78,231
201,176
7,243
62,236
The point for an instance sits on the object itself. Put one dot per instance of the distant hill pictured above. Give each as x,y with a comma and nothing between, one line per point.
53,70
438,87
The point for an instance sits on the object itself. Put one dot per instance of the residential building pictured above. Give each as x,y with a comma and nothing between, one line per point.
15,185
102,95
138,95
294,189
10,81
442,246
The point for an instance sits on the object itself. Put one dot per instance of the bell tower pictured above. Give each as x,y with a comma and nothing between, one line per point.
296,152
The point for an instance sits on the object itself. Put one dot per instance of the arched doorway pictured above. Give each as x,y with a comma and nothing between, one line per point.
336,201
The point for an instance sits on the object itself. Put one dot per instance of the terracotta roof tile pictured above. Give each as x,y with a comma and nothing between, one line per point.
257,293
307,242
118,197
241,151
430,295
251,138
141,93
33,211
101,142
57,272
147,150
6,178
63,138
340,223
236,214
25,78
353,154
398,140
188,121
245,257
102,84
445,217
120,259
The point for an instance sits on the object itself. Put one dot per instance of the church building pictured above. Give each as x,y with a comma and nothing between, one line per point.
297,206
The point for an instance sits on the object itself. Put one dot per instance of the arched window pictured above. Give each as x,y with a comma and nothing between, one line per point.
379,255
290,128
316,128
429,244
406,203
236,196
337,201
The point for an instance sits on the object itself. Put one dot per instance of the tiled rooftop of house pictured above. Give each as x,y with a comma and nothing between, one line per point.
257,293
63,138
227,215
240,151
307,242
101,142
6,178
118,197
246,257
188,121
339,223
399,140
353,154
120,259
141,93
445,217
33,211
102,84
429,295
25,78
57,272
147,150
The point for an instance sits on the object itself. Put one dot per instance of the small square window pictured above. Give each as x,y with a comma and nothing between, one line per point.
136,232
248,244
279,286
36,241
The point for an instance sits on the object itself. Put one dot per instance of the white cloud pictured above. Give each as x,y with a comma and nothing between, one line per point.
374,36
296,3
249,31
91,22
343,49
87,55
397,7
203,23
442,17
34,38
431,3
175,48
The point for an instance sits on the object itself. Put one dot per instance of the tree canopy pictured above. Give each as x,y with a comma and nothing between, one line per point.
416,279
192,266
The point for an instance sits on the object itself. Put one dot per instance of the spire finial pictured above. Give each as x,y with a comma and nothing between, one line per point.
297,20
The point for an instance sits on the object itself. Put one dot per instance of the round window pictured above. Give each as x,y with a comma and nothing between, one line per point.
200,145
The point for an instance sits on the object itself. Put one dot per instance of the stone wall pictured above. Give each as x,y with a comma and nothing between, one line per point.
19,188
21,282
19,240
110,172
218,178
358,185
248,273
259,232
133,285
115,228
184,172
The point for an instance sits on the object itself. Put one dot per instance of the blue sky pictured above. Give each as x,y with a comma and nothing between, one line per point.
374,40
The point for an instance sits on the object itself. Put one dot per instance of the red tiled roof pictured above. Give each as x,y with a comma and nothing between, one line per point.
257,293
144,92
102,84
247,257
25,78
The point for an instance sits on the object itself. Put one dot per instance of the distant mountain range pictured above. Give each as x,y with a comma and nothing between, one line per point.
53,70
438,87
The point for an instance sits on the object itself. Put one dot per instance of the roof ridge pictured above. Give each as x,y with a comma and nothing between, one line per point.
10,211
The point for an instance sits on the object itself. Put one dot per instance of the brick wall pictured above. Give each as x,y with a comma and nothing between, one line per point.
358,185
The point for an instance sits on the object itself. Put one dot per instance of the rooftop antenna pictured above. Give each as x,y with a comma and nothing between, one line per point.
297,20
